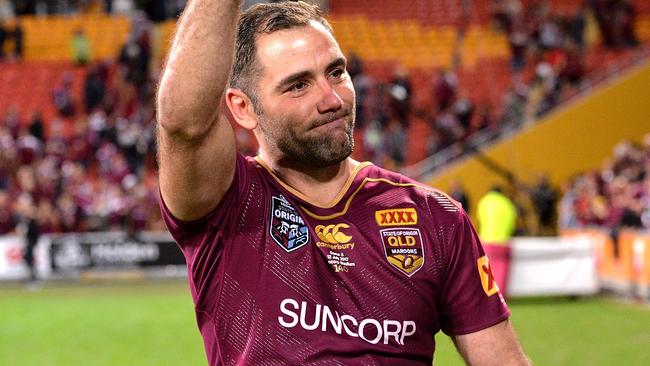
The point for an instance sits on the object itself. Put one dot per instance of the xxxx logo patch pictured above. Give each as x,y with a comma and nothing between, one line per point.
487,278
396,217
404,249
287,228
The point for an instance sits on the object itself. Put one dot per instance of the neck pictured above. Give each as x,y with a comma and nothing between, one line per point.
320,185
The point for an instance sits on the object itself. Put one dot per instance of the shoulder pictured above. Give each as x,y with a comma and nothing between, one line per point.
246,181
438,203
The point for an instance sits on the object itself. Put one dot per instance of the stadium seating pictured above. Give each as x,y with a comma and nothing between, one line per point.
29,86
48,38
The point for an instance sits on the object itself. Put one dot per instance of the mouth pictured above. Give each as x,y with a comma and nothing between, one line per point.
339,119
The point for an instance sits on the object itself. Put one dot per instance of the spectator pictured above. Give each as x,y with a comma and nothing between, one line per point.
504,13
514,106
30,230
94,89
80,45
395,143
546,88
12,120
47,217
8,154
3,37
134,60
64,97
566,210
445,89
8,219
572,70
400,95
497,217
18,40
29,148
70,214
518,42
363,85
450,129
549,34
463,108
576,26
544,198
625,21
11,29
36,126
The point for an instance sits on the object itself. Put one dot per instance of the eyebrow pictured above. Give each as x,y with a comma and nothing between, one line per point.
338,62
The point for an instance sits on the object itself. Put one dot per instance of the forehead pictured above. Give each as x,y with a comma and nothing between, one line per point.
296,49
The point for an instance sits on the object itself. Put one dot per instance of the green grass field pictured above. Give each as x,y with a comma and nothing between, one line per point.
153,324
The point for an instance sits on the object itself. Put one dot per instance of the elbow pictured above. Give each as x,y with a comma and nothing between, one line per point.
179,119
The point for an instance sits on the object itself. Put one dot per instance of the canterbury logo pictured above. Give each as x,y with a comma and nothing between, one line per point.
332,233
396,217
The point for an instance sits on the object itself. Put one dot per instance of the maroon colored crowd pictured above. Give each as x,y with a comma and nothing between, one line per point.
613,197
94,169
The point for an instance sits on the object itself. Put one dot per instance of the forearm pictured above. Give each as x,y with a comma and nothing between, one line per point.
197,68
494,346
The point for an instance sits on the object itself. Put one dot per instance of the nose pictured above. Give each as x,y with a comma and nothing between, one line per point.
330,101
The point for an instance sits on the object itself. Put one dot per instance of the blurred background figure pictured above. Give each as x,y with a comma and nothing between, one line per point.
544,198
80,46
11,33
497,217
28,228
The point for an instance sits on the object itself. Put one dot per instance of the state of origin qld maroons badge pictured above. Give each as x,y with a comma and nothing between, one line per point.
404,249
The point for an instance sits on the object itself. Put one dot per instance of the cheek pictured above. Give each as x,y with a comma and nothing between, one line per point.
347,92
297,113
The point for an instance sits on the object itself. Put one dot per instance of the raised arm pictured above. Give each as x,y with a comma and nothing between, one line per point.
493,346
196,144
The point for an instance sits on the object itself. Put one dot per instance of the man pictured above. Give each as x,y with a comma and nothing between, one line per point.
497,217
303,256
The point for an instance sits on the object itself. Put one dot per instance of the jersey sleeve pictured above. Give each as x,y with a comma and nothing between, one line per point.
470,300
191,235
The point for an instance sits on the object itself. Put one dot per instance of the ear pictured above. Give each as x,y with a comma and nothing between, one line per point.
241,108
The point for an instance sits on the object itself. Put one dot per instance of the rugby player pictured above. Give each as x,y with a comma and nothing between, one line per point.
301,255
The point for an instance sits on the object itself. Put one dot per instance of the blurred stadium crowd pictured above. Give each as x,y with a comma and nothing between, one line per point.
92,167
615,196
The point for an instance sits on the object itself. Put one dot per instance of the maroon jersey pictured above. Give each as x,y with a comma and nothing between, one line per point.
368,279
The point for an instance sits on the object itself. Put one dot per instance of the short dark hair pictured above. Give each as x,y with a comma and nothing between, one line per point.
266,18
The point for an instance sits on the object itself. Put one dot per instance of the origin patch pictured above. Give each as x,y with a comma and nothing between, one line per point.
404,249
287,228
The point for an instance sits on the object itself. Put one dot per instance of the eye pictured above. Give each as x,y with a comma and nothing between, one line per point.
299,86
337,73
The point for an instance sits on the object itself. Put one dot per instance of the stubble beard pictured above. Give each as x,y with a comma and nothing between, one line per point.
319,151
